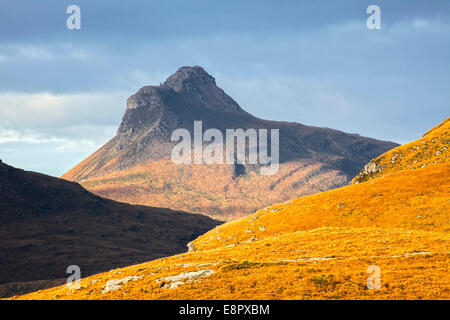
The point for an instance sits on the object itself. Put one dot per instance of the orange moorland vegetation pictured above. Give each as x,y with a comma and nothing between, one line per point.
432,148
213,190
315,247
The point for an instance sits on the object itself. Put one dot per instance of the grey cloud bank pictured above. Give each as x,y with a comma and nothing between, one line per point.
312,62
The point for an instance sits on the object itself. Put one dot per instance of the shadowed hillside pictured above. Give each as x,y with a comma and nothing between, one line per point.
47,224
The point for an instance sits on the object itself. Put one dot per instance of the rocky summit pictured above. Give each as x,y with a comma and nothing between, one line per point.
135,166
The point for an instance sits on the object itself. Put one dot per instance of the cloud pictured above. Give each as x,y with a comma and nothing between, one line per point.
52,132
8,136
63,51
27,136
64,92
51,154
307,100
34,52
420,23
48,110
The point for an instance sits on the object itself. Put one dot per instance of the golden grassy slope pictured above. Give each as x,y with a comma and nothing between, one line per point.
315,247
418,201
322,263
432,148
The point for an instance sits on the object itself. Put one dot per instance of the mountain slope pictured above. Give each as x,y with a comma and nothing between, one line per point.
432,148
47,224
325,263
135,165
413,198
314,247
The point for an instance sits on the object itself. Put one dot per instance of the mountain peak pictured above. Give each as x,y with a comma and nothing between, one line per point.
198,89
186,78
189,91
143,144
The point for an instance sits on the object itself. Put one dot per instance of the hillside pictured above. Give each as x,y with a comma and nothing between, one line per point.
47,224
432,148
213,190
314,247
135,165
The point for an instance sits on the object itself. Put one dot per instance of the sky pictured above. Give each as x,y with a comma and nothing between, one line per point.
63,92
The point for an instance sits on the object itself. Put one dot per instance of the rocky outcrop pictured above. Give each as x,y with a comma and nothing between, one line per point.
116,284
368,171
173,282
191,247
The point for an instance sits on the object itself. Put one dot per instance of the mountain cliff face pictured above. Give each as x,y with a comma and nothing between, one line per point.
47,224
135,165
